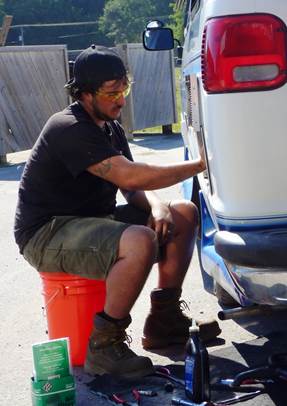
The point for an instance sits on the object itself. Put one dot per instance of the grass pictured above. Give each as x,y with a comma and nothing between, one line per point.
175,126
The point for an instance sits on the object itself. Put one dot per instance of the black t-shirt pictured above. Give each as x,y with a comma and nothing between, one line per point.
55,181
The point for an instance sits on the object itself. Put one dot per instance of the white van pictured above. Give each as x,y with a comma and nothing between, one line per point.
234,103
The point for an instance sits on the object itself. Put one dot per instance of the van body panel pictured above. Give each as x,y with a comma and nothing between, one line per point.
243,131
242,147
243,193
245,139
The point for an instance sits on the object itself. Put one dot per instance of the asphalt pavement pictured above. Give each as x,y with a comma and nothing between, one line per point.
23,322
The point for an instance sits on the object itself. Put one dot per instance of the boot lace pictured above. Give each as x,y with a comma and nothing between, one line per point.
180,308
128,339
183,305
120,345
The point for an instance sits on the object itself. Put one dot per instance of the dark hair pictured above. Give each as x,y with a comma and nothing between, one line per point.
75,91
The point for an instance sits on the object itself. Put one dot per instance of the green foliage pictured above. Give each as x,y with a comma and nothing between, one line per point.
124,20
176,23
116,21
1,9
56,11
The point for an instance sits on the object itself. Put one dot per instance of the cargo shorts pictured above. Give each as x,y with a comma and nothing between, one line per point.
84,246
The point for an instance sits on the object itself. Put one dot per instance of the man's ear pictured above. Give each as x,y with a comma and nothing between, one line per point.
87,97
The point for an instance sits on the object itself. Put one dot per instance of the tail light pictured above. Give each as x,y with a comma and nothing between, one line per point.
244,52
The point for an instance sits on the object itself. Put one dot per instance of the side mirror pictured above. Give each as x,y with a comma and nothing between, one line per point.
157,38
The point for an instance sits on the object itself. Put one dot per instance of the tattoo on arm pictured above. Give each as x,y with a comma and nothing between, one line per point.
103,168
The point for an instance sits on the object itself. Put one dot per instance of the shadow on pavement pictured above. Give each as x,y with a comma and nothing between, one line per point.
228,362
224,363
158,141
263,325
11,172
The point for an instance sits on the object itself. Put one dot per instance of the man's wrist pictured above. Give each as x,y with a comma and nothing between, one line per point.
201,164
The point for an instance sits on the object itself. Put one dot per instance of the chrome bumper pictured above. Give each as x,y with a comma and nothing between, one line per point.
261,285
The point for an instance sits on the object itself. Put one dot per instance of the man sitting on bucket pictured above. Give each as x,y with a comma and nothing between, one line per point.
67,219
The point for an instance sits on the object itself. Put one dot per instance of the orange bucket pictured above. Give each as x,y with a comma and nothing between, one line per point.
70,303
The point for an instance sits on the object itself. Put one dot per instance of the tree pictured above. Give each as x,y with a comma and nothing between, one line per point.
124,20
55,11
176,23
115,20
1,8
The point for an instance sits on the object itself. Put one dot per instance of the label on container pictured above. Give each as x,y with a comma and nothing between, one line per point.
51,359
189,374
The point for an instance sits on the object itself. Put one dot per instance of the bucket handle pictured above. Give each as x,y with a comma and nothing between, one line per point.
66,291
80,290
44,308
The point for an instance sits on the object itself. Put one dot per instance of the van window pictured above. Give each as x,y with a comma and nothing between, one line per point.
186,12
192,29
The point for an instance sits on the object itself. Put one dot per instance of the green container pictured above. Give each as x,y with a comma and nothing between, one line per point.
54,392
51,359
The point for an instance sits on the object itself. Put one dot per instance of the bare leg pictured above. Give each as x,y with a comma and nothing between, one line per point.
137,253
107,351
177,252
166,324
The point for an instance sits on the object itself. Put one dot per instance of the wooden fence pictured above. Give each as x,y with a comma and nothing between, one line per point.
31,90
152,101
31,83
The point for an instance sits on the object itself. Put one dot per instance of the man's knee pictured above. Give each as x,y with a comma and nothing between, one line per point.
185,212
138,241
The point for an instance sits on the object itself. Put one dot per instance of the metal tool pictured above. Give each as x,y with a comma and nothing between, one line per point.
169,387
225,402
246,386
149,393
276,368
183,402
104,396
164,372
119,400
239,398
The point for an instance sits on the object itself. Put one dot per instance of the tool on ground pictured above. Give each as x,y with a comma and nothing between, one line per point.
169,387
164,372
239,398
245,385
119,400
197,386
197,376
225,402
228,384
116,399
276,368
150,393
104,396
182,402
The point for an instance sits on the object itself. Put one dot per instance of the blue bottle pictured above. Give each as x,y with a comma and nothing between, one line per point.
196,368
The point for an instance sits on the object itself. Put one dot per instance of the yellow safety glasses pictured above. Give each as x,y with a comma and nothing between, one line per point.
114,96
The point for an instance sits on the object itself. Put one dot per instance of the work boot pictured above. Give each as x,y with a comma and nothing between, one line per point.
166,323
108,352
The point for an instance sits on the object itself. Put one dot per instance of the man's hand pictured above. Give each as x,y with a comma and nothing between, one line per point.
161,222
202,160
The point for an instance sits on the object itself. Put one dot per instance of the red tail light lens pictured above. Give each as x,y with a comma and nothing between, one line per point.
244,52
